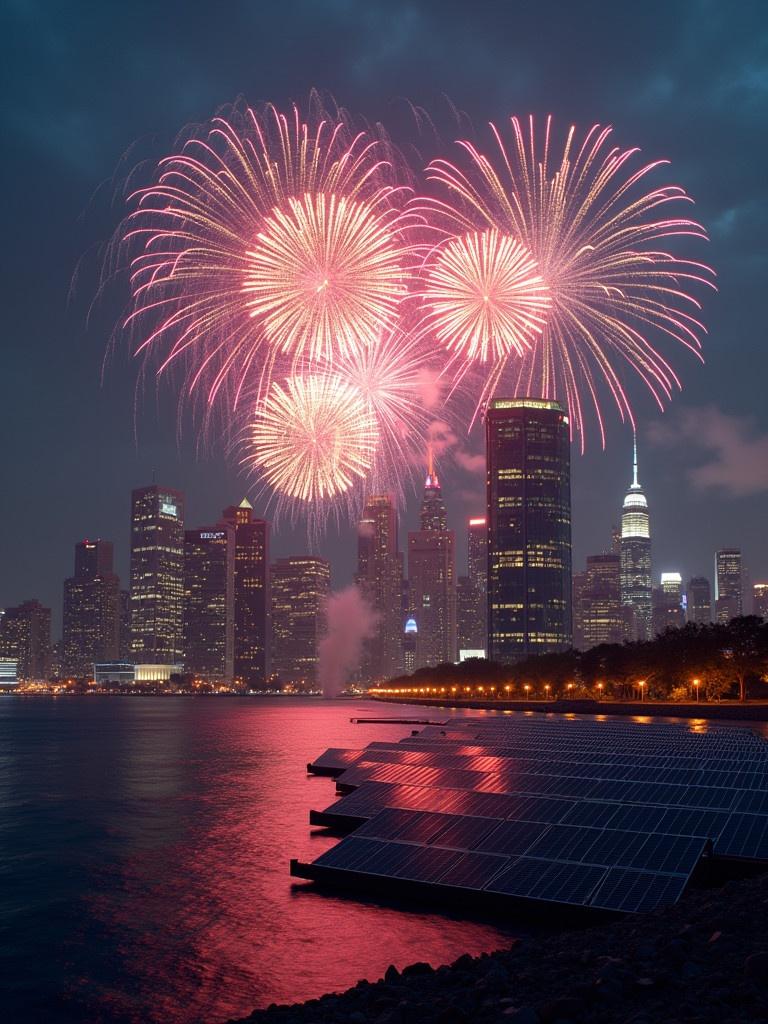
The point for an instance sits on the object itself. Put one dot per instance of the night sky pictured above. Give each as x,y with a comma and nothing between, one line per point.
88,85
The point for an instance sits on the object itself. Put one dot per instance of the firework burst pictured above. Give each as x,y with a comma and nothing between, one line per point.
483,296
600,242
266,236
313,438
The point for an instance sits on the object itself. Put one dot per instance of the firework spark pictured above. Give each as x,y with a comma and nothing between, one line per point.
601,245
483,296
265,236
311,440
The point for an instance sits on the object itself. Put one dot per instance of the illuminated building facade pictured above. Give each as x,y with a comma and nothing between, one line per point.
597,610
636,580
252,596
209,602
728,584
471,629
380,578
432,578
760,600
157,575
410,639
529,528
699,608
300,588
25,637
668,608
91,611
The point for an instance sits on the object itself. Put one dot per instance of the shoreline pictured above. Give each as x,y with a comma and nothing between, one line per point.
725,711
704,960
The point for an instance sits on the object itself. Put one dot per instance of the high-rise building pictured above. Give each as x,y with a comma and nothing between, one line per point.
157,575
124,642
667,606
636,582
252,596
432,578
380,579
410,640
578,589
760,600
471,631
25,637
300,588
600,614
209,602
699,600
91,612
529,528
728,584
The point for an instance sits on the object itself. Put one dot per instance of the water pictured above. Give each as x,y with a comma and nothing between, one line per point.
144,848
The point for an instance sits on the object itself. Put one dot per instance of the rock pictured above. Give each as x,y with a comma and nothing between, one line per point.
525,1015
418,968
564,1008
756,968
357,1017
391,974
451,1015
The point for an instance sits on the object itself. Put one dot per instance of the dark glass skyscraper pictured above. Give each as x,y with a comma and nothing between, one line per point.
699,600
432,578
252,596
636,582
91,620
529,528
380,578
728,584
300,588
157,575
209,602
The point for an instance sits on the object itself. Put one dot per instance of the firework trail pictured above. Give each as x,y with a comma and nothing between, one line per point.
266,238
598,241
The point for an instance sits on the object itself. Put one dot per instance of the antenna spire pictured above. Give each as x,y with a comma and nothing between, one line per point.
634,459
431,475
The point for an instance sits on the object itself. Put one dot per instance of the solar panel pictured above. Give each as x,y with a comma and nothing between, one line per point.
474,870
637,892
535,879
511,837
744,836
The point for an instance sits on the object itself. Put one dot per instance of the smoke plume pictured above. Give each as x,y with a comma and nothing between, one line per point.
350,621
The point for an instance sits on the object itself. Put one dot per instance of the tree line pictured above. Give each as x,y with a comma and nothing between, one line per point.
714,660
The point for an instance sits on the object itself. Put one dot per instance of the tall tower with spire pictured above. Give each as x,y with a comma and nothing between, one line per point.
252,603
636,580
432,576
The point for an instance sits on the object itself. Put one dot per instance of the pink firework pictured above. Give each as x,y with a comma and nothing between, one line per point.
483,296
601,243
267,237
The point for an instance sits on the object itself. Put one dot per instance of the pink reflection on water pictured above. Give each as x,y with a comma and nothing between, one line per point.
215,801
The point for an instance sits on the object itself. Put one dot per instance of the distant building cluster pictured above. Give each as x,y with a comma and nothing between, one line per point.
616,598
207,608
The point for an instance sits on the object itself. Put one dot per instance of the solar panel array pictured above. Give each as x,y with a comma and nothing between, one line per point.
605,814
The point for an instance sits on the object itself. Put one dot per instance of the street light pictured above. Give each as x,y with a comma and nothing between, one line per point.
599,691
527,690
697,684
641,684
547,688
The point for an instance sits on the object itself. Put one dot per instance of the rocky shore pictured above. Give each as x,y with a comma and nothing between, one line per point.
704,961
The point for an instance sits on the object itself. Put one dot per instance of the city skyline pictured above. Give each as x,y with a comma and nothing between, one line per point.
700,453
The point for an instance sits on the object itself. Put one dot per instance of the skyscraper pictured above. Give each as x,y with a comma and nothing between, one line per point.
209,602
25,637
636,582
529,528
600,614
91,613
432,578
472,590
157,575
380,578
760,600
252,597
699,600
667,607
300,588
728,584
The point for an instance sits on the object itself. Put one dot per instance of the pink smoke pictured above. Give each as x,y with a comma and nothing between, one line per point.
350,621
